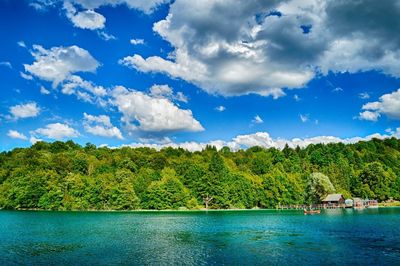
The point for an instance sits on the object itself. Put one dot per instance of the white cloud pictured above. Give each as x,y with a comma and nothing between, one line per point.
337,89
397,133
82,13
25,76
137,41
55,131
101,126
262,139
152,114
164,91
304,118
58,63
147,6
6,64
220,108
24,110
368,115
248,50
84,90
180,97
43,5
16,135
44,91
364,95
106,36
388,104
296,98
33,140
88,19
21,44
257,120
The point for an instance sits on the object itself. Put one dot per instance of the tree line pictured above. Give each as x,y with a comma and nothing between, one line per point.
68,176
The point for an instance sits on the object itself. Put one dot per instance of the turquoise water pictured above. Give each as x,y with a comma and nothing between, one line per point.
335,237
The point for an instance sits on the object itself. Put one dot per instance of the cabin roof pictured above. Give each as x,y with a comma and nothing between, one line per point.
333,197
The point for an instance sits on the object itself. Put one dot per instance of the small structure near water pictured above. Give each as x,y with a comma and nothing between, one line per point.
364,203
334,201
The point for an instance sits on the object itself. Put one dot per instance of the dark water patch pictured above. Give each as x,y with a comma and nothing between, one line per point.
39,249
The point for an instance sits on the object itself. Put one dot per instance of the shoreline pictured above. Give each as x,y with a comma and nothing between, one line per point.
168,210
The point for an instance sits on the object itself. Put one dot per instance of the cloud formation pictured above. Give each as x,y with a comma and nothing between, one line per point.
257,120
84,90
55,131
388,104
24,110
262,139
220,108
16,135
101,126
165,91
58,63
137,41
148,113
264,47
88,19
82,13
147,6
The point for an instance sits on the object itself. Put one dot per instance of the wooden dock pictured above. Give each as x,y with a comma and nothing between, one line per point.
313,206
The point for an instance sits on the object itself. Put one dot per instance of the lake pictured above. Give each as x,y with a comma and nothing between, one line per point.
334,237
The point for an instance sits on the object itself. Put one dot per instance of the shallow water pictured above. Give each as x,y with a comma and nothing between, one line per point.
197,238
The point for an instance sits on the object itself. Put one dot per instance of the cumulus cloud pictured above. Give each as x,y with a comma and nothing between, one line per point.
16,135
82,13
145,112
101,126
88,19
388,104
84,90
165,91
33,140
58,63
262,139
368,115
236,48
55,131
24,110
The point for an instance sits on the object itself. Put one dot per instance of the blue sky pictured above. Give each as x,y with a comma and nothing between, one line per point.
159,73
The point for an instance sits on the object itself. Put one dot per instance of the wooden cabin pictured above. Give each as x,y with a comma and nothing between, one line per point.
334,200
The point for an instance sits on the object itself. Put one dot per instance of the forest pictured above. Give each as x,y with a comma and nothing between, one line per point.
68,176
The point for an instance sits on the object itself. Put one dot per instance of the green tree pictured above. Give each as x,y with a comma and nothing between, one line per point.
318,187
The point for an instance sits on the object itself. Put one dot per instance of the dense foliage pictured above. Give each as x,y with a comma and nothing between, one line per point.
66,176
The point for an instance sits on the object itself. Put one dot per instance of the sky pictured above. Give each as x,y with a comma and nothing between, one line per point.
190,73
